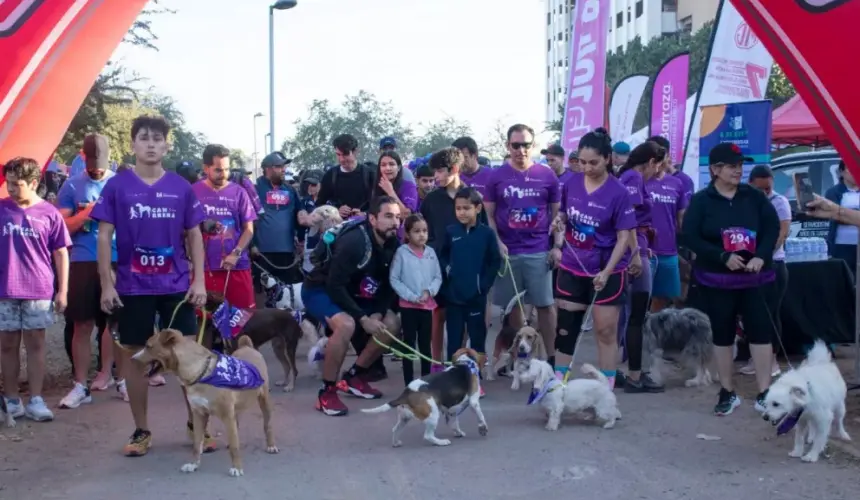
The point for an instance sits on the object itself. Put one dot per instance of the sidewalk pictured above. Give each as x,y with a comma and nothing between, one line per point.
653,453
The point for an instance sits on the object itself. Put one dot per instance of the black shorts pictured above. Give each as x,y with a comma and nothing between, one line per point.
136,319
724,307
279,260
85,292
580,289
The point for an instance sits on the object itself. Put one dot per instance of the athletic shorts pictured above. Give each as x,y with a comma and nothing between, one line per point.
642,283
17,315
724,307
240,289
580,289
532,274
85,293
320,307
667,278
136,318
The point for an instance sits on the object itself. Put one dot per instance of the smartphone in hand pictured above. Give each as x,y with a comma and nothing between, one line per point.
803,191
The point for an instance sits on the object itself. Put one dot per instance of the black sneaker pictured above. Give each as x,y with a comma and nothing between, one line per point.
727,403
643,385
620,380
759,402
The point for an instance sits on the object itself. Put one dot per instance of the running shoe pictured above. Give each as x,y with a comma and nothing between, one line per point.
15,407
329,402
76,397
139,443
157,380
122,390
37,410
209,443
749,369
759,402
102,382
727,403
645,384
358,387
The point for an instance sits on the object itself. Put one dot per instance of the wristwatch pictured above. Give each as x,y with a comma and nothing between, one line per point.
237,252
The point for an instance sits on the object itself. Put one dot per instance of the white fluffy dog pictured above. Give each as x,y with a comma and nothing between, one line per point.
811,398
577,396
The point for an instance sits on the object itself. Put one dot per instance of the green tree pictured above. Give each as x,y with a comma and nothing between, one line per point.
185,144
439,135
495,146
779,89
117,128
362,115
238,159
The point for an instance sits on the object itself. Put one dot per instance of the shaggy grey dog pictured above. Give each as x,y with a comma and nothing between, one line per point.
685,332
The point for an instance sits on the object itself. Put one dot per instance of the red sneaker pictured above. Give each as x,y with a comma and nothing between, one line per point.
358,387
482,392
330,404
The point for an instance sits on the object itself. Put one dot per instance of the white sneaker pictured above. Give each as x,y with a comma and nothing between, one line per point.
157,380
76,397
15,407
37,410
748,369
102,382
775,371
122,390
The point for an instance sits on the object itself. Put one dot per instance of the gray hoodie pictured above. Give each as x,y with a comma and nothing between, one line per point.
412,275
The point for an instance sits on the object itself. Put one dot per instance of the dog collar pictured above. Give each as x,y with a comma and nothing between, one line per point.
789,422
522,355
538,394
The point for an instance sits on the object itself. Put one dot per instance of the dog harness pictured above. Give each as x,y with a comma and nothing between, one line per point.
473,368
791,419
233,373
538,394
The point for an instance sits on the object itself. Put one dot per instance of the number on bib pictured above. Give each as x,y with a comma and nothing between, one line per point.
739,239
367,288
277,197
147,260
580,236
524,218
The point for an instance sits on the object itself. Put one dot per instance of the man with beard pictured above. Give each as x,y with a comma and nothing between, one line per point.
76,200
348,288
275,232
227,230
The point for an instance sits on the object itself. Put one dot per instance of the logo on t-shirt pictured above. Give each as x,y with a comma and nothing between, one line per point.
11,229
141,211
212,210
518,192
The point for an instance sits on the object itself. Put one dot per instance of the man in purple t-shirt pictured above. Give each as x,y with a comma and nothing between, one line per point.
472,174
522,200
32,232
155,217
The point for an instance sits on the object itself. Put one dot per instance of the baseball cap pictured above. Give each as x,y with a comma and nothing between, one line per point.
276,159
483,161
621,148
727,152
97,151
761,172
554,150
388,142
573,155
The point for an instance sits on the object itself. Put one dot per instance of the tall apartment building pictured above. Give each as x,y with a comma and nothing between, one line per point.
646,19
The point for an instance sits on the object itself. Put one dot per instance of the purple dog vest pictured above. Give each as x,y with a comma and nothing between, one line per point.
233,373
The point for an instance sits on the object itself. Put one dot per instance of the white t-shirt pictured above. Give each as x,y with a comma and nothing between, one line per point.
847,234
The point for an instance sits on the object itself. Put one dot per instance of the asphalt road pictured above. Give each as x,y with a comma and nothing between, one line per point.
653,453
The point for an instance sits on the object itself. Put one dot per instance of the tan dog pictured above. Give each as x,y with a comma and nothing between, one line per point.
215,384
528,344
449,393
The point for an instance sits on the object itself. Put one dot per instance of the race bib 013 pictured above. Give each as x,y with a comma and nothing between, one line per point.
148,260
278,198
524,218
581,236
368,287
738,239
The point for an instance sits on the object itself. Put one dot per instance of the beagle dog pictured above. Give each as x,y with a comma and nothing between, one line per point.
528,344
446,393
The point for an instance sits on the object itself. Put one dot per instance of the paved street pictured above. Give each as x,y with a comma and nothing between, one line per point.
653,453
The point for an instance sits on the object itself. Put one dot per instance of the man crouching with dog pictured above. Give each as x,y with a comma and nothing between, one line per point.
348,289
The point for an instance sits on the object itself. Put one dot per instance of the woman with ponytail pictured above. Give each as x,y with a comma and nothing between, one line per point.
641,165
592,239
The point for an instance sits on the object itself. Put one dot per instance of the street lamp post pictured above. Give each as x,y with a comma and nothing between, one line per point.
266,143
257,115
278,5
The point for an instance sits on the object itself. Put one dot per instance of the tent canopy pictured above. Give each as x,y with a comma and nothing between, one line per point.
793,124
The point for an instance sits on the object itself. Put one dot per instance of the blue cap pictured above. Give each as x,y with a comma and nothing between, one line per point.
621,148
387,142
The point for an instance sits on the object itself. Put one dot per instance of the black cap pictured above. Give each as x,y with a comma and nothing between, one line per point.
728,153
97,151
554,150
761,172
573,155
276,159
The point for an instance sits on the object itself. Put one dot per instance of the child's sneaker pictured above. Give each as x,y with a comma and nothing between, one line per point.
76,397
37,410
15,407
102,382
122,390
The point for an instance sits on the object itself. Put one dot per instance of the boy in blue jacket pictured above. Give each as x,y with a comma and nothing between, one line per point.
471,260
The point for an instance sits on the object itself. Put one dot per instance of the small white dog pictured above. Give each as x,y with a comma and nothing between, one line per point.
577,396
811,398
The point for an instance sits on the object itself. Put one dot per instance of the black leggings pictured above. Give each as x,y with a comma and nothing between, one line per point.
417,324
638,307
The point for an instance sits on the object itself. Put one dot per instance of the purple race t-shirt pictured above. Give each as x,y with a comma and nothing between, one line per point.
150,224
686,184
28,238
635,184
408,194
563,178
479,180
667,199
593,221
523,202
226,211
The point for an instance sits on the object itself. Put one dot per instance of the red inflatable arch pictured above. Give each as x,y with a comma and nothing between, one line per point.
53,50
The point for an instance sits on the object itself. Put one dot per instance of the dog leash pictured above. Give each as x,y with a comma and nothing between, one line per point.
260,255
412,354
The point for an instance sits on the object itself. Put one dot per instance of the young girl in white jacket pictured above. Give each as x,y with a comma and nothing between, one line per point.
416,278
